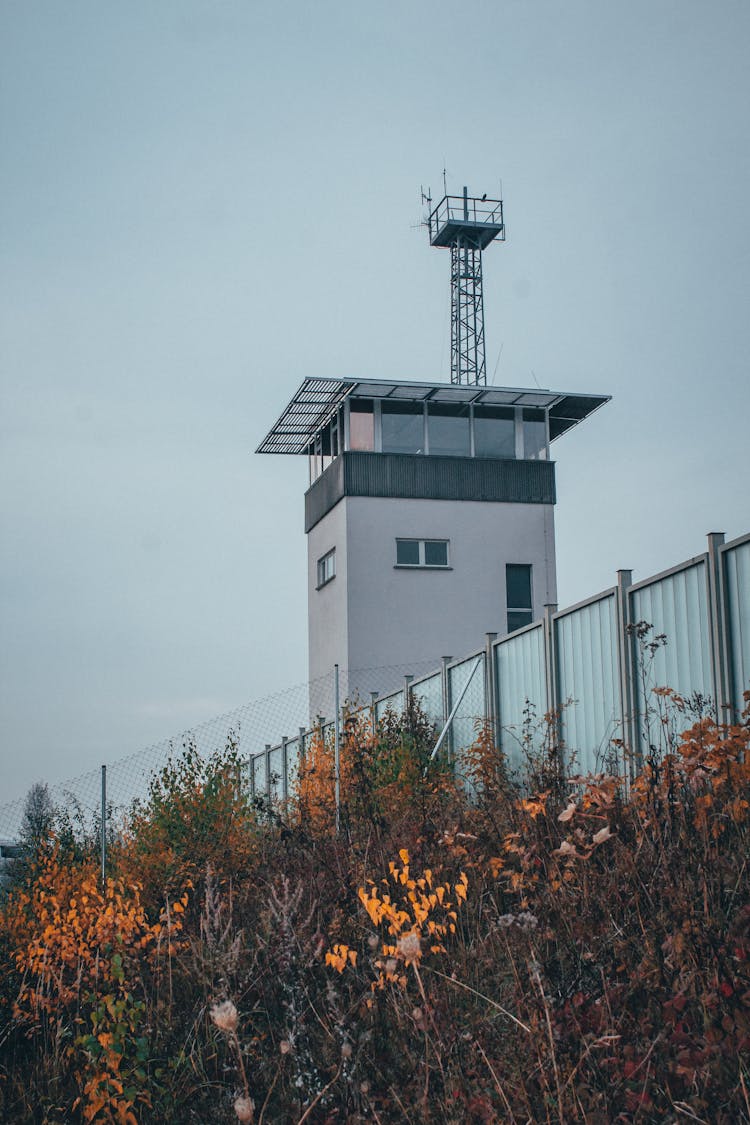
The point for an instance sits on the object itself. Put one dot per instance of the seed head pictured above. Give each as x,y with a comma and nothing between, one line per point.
410,948
225,1017
244,1107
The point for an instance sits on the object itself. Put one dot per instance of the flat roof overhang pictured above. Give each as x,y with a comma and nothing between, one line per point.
317,400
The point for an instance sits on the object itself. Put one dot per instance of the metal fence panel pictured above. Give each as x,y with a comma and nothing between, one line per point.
737,578
521,691
677,606
395,701
472,707
469,674
429,694
276,773
259,766
292,765
588,672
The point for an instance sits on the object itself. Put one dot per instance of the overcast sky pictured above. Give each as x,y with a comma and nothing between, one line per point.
203,203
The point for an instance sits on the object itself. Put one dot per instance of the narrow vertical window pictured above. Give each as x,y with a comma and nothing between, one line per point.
534,435
518,595
326,568
361,424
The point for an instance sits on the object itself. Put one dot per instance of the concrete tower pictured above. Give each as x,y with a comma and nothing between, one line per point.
429,511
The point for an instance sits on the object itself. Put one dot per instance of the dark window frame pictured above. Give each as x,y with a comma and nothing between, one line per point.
322,575
519,615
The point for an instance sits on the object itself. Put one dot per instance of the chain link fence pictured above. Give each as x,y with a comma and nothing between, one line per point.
258,730
579,667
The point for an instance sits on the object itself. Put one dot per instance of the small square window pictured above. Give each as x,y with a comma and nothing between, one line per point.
326,568
407,552
435,552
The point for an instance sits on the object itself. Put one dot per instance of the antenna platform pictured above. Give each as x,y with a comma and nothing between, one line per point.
466,225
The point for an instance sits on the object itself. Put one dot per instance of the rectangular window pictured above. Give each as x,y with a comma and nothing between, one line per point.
518,595
534,435
449,430
407,552
495,431
326,568
402,426
436,552
361,424
422,552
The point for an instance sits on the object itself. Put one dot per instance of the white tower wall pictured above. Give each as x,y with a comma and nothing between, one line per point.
375,614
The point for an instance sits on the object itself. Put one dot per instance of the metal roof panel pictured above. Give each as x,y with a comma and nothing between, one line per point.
318,399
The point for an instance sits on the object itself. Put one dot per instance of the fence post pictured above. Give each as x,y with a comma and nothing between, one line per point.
337,748
104,827
717,608
628,670
407,696
284,768
445,689
550,675
490,685
267,764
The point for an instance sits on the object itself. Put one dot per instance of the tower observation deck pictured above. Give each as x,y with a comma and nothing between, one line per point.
466,225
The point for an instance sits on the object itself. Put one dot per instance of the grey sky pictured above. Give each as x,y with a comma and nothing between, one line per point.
202,203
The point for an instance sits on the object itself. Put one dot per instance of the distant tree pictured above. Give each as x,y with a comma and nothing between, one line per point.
38,818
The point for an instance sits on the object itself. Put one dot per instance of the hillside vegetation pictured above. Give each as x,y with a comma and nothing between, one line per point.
490,948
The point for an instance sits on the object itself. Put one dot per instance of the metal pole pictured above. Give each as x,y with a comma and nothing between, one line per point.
490,688
554,715
337,747
628,672
104,826
284,768
717,618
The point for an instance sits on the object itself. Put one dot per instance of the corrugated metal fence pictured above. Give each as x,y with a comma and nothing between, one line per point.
585,666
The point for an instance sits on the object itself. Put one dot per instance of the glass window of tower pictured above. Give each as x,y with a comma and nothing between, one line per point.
494,431
402,425
534,435
449,430
361,424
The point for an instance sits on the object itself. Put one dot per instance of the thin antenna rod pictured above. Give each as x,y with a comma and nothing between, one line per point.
499,354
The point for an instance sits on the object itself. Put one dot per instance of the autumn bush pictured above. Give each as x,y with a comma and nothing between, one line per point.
469,946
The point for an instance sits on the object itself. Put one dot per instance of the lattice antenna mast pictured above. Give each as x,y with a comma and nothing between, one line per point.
466,225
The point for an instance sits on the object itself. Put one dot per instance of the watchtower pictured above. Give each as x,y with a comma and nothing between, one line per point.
429,511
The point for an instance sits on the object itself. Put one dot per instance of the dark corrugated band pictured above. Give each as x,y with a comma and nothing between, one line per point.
413,477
